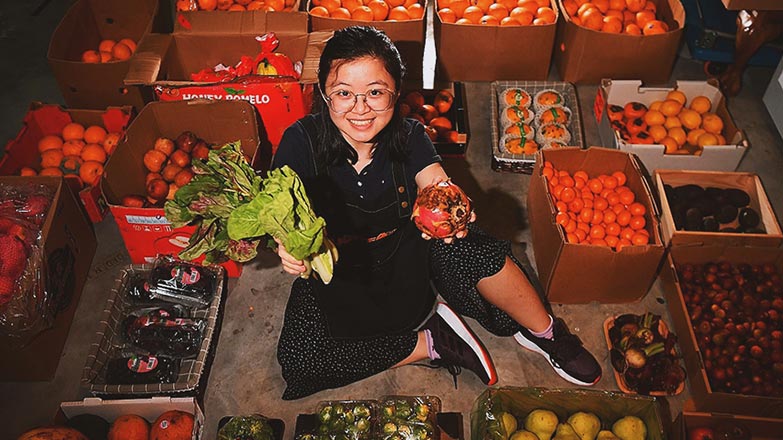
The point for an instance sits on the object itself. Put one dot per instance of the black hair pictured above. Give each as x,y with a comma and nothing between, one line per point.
350,44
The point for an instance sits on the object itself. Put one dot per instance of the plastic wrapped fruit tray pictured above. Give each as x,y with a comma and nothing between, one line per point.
110,342
502,158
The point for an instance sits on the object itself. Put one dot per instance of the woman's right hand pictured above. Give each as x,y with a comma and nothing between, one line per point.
290,264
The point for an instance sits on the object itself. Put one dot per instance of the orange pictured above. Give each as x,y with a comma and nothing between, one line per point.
618,5
111,141
71,164
615,13
464,21
627,197
130,43
654,117
27,171
670,145
671,107
655,105
643,17
484,4
570,7
612,25
236,7
207,5
671,122
637,209
257,5
277,5
91,172
73,147
693,136
400,13
498,11
712,123
94,152
704,139
584,7
628,17
330,5
51,171
395,3
701,104
523,16
94,134
363,13
51,158
73,131
343,13
106,57
473,13
690,119
106,45
351,4
223,5
637,222
446,15
677,96
415,10
50,142
121,52
546,14
489,20
633,29
440,4
458,6
511,4
91,56
602,5
595,185
635,5
678,134
530,5
509,21
320,11
621,177
593,19
655,27
657,132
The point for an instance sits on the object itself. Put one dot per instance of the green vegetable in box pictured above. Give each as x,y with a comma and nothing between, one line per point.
253,427
234,208
348,420
408,418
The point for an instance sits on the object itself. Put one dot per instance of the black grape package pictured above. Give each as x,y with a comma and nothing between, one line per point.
185,283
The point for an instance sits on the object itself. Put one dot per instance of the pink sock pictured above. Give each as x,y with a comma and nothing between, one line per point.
431,353
548,333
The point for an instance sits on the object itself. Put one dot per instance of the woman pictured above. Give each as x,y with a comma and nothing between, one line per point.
362,164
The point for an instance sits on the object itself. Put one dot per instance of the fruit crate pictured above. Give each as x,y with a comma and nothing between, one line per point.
503,160
277,425
457,115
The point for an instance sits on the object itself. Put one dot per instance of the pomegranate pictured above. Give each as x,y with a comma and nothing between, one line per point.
441,210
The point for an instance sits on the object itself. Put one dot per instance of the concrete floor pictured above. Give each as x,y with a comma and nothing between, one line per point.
245,377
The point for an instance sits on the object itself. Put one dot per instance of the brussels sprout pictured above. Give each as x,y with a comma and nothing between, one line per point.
349,417
388,411
306,437
421,433
337,425
422,411
361,410
389,428
325,414
339,409
403,409
404,430
362,424
323,429
395,437
340,437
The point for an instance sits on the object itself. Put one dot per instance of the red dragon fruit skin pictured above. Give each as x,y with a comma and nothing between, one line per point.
441,210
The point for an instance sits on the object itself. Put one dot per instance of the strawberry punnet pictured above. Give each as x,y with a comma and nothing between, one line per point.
7,286
13,256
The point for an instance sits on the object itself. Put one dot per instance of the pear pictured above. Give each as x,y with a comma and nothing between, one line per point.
508,422
630,428
523,435
541,422
606,435
565,432
586,425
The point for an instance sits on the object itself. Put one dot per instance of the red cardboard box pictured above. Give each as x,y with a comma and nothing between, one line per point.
69,245
492,53
146,231
165,63
585,56
46,119
581,273
96,86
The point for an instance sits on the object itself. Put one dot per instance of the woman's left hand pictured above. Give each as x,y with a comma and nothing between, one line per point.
461,234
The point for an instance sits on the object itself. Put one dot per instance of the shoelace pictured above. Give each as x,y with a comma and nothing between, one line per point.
565,346
454,370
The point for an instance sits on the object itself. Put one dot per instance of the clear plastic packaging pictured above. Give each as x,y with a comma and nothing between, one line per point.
517,145
516,97
409,418
553,132
181,282
165,331
520,129
556,114
142,369
341,419
513,115
547,98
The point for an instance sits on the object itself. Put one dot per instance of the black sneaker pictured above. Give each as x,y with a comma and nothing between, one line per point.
458,346
565,353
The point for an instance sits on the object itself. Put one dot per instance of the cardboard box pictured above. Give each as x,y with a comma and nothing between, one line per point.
69,245
585,56
491,53
407,35
208,20
609,406
165,63
714,157
146,231
581,273
760,428
760,5
773,97
149,408
703,396
96,86
748,182
457,115
45,119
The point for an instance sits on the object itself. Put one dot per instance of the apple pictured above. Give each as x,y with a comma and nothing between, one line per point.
443,101
701,434
164,145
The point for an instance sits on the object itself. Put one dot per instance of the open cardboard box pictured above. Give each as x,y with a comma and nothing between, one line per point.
87,22
209,20
146,231
704,398
491,53
714,157
609,406
45,119
407,35
585,56
165,64
748,182
69,245
581,273
149,408
760,428
457,115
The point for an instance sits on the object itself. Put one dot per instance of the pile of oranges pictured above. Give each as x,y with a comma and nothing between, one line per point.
599,210
497,12
632,17
110,50
682,127
77,153
236,5
368,10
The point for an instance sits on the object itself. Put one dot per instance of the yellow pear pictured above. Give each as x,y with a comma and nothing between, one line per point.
541,422
523,435
508,422
606,435
586,425
630,428
564,431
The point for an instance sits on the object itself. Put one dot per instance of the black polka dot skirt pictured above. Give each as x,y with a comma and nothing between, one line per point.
312,360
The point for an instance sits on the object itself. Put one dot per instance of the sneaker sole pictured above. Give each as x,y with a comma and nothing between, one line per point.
531,346
459,327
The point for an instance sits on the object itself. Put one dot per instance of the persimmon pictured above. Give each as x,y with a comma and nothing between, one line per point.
27,171
602,5
523,16
235,8
459,6
612,25
415,10
617,14
446,15
584,7
473,13
110,142
363,13
94,134
637,222
343,13
320,11
701,104
627,197
224,5
50,142
73,131
51,171
546,14
51,158
571,7
633,29
130,43
207,5
637,209
635,5
511,4
106,57
706,139
121,52
106,45
643,17
618,5
712,123
498,11
90,172
655,27
529,5
73,147
94,152
677,95
592,19
91,56
489,20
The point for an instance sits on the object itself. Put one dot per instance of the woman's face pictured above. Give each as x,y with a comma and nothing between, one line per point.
361,124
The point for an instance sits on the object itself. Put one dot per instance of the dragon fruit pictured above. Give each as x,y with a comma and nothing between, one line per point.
441,210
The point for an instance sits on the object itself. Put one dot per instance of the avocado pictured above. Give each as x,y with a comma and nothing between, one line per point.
737,197
748,218
693,219
689,192
709,224
726,213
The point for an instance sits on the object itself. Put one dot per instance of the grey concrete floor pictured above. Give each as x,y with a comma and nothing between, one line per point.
245,377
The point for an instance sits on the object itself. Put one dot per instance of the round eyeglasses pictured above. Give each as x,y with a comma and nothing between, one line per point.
343,101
